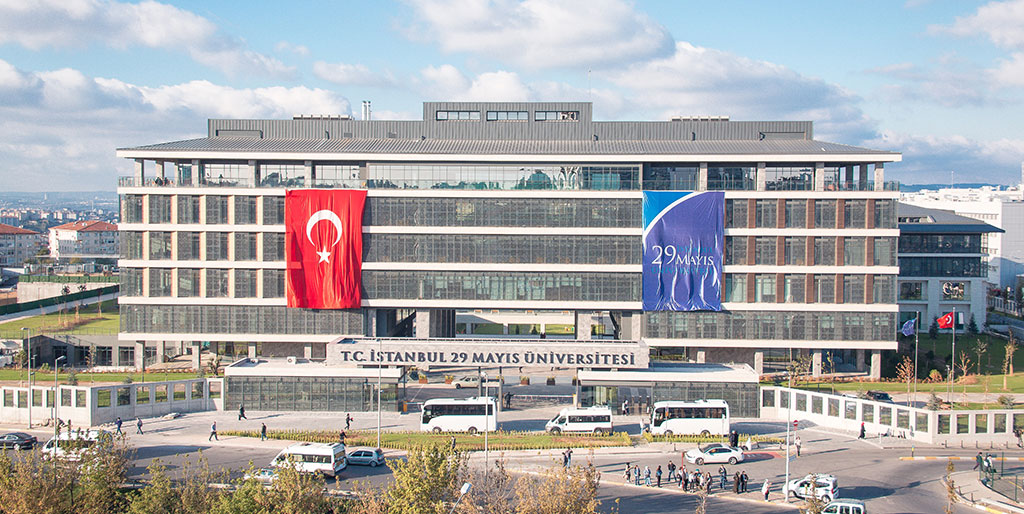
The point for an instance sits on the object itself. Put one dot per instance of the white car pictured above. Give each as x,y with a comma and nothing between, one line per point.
372,457
714,454
262,475
466,381
825,487
845,506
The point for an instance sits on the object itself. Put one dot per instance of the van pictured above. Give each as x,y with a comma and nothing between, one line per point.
327,459
71,446
845,506
597,420
824,486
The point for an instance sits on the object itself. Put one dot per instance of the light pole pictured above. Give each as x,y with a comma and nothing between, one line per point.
462,492
379,348
789,410
56,402
28,371
487,422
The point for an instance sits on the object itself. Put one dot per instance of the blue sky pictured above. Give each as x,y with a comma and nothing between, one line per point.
940,81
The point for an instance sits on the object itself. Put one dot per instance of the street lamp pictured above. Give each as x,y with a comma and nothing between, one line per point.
487,422
462,492
379,352
28,371
56,401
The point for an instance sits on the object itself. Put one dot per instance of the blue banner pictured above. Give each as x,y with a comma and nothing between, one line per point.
683,241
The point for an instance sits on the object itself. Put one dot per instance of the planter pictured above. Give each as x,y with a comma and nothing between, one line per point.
524,381
551,381
575,381
448,380
423,379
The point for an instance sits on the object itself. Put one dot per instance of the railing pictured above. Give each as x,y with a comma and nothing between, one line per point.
1010,485
46,302
70,279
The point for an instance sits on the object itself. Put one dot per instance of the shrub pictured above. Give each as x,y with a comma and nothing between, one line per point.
934,402
1006,401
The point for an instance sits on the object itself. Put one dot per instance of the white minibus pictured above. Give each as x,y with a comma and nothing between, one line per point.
597,420
325,458
459,415
704,417
71,446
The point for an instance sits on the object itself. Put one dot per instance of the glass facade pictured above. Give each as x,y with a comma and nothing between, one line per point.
245,246
216,210
273,210
677,177
159,209
736,213
804,326
735,250
501,248
239,319
503,212
732,177
188,246
245,210
188,209
501,286
940,243
159,245
131,245
514,177
943,267
334,394
273,246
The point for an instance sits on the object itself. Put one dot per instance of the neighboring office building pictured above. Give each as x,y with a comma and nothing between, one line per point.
943,264
1000,207
17,245
87,240
513,207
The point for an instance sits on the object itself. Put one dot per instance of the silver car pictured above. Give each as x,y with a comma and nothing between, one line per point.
372,457
714,454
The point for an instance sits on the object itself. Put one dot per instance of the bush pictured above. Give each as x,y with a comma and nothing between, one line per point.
1006,401
499,440
934,402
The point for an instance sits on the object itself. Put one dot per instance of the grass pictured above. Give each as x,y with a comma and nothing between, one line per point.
699,439
18,375
497,441
1015,384
941,347
89,320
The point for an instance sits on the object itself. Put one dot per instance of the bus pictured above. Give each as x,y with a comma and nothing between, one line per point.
459,415
704,417
597,420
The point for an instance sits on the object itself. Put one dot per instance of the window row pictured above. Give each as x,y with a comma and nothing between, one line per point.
951,290
333,394
233,319
941,243
519,249
805,288
943,267
216,209
807,251
504,177
502,286
797,326
209,283
808,213
502,212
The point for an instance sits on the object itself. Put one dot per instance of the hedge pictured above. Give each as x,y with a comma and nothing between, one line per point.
498,441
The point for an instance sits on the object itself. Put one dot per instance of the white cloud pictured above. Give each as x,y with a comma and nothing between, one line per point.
70,23
285,46
929,159
542,33
351,75
949,81
1002,22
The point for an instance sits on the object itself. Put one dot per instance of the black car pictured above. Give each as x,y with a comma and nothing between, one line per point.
17,440
879,396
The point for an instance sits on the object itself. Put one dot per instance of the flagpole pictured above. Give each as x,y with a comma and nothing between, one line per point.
952,368
917,328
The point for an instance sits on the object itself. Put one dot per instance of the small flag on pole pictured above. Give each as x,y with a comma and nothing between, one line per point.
908,328
946,321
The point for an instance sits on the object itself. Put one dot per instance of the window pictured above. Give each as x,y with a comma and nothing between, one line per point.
131,282
736,213
912,290
282,175
245,283
159,209
216,210
736,250
228,175
796,213
825,251
884,289
159,282
273,283
273,246
764,288
825,213
216,246
131,209
795,250
508,115
854,213
245,246
556,116
853,251
245,210
781,178
853,289
125,357
188,246
735,288
734,178
104,356
216,283
681,177
825,288
942,267
335,175
765,213
457,115
131,245
273,210
159,245
885,214
954,291
793,289
764,250
885,251
188,283
188,209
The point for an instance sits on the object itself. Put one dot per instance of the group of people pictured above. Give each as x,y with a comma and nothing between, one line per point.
567,458
690,481
118,423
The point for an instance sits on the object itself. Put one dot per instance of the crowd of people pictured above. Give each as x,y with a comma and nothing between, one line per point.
689,481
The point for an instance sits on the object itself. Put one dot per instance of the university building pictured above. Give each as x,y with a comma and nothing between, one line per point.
499,214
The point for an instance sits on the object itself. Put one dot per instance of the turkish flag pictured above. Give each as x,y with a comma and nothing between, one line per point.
946,321
323,247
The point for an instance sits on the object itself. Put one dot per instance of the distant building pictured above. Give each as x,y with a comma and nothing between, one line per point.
17,245
943,264
1003,208
86,240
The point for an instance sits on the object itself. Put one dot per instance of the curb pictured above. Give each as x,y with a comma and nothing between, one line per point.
969,458
977,505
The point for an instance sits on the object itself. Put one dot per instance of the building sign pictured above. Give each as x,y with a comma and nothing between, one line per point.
682,256
568,354
324,248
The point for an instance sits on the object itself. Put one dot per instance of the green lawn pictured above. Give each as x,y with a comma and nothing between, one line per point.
497,441
1015,384
17,375
941,347
106,322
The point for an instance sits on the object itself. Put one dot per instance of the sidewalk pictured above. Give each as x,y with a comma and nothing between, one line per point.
972,492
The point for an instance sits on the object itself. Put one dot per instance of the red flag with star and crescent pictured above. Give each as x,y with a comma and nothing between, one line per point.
946,321
323,248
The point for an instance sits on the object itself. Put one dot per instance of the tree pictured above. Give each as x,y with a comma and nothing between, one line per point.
933,330
905,371
950,488
560,490
964,365
812,503
428,481
972,326
980,348
1008,349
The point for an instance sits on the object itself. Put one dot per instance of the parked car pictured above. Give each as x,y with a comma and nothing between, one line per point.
263,475
372,457
879,396
472,381
825,487
714,454
327,459
845,506
18,441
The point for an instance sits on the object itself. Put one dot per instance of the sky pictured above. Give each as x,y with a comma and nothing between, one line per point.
942,82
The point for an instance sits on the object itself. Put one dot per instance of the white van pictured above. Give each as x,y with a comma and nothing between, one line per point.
326,459
597,420
72,445
845,506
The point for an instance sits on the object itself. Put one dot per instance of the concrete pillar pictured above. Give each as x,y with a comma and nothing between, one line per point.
196,362
504,329
701,356
876,364
759,362
252,349
762,177
309,173
816,363
161,351
307,351
140,355
702,177
863,178
848,177
421,325
254,173
140,172
819,176
879,176
861,364
584,325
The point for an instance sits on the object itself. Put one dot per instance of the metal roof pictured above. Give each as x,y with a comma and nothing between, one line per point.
938,221
512,147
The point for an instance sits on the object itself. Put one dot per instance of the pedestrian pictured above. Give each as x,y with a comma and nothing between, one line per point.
117,423
684,478
452,443
241,412
647,476
696,479
744,479
1019,433
213,432
797,442
657,475
629,471
348,421
734,439
568,457
565,459
671,471
736,482
750,444
625,407
989,465
765,488
862,431
263,432
723,474
138,426
341,437
707,483
636,474
978,459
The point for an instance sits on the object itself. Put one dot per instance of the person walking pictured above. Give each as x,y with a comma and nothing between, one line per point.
734,439
684,478
342,436
568,457
736,482
629,472
707,483
138,425
978,460
241,412
657,475
671,471
743,481
625,407
798,443
348,421
213,432
263,432
452,443
723,474
766,488
862,431
636,474
117,423
647,476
